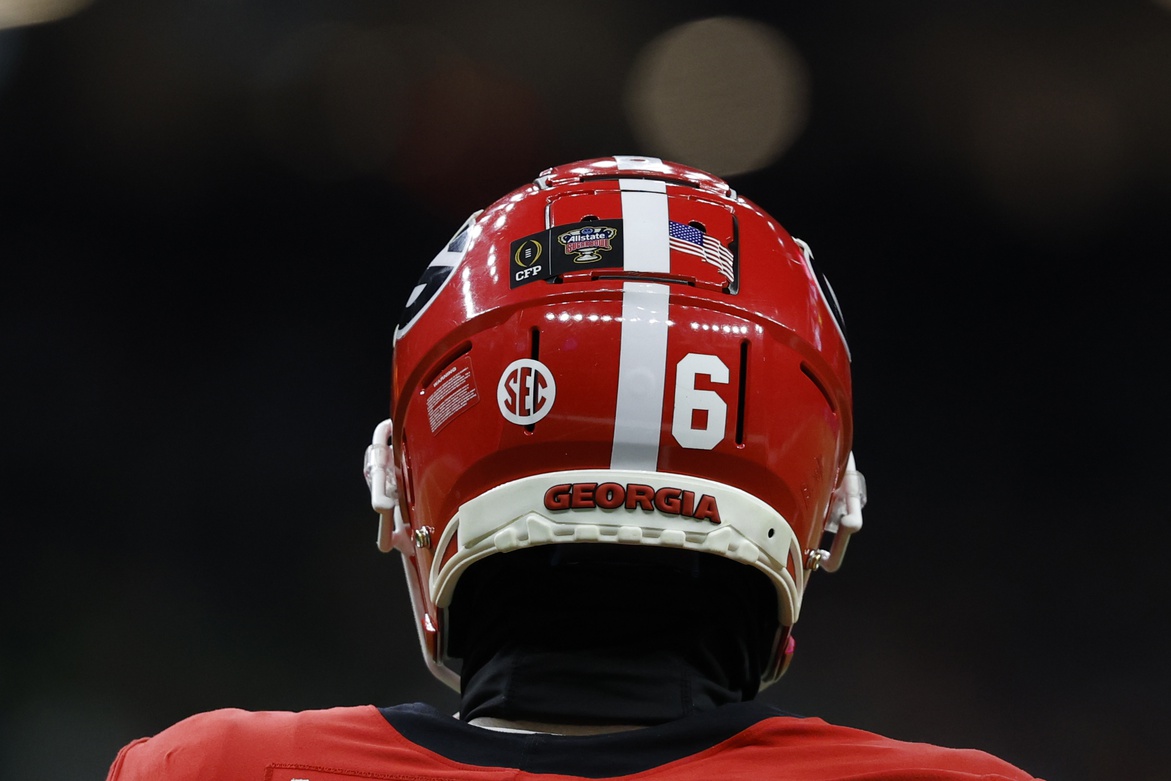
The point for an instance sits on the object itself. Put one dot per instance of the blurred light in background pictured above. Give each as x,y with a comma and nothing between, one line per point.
1048,145
328,100
20,13
726,94
1060,126
473,127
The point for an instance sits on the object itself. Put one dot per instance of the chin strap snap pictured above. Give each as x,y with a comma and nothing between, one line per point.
379,472
845,518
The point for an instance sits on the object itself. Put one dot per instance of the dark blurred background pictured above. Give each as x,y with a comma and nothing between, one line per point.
213,210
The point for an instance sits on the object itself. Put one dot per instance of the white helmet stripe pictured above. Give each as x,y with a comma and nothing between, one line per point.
645,241
640,163
642,364
642,358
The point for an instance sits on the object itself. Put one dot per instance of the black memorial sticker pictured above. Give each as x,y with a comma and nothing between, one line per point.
580,246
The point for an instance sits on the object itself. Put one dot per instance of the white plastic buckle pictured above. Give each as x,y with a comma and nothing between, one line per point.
379,471
845,517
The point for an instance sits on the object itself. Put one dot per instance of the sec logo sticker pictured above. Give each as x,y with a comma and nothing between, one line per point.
526,392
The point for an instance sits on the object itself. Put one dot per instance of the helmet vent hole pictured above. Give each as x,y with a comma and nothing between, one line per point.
535,354
699,226
742,393
589,218
829,399
408,483
772,532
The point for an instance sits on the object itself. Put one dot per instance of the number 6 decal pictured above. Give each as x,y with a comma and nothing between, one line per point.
692,431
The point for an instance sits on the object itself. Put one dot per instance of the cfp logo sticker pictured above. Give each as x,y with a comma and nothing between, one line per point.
526,392
527,255
587,242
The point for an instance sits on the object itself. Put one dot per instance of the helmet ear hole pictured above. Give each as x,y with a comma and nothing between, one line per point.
408,486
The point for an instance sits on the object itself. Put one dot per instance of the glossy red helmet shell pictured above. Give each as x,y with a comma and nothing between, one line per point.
623,351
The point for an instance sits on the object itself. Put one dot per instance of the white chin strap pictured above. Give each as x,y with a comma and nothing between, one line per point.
379,472
845,517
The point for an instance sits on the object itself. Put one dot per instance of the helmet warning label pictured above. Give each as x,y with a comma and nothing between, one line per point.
449,394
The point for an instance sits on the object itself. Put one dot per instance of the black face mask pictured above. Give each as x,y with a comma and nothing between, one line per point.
604,633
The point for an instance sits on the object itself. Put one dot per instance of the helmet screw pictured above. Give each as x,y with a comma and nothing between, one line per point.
813,559
423,537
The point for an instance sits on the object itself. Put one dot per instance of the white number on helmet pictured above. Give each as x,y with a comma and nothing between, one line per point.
701,416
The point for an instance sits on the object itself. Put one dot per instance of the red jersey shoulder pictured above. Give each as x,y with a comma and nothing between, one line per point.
342,744
811,748
232,743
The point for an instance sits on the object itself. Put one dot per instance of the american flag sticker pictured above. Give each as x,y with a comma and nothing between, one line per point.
693,241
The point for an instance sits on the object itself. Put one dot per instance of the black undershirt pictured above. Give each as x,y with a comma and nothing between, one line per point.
588,756
607,634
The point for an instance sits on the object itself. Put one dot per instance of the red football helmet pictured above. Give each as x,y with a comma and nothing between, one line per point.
623,351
